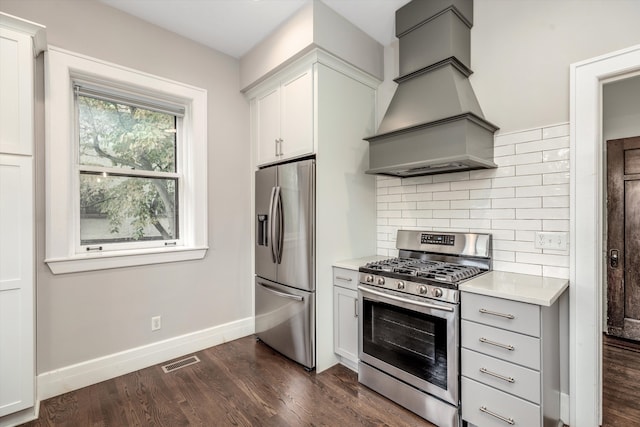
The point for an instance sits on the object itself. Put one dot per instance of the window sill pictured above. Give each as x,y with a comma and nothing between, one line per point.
119,259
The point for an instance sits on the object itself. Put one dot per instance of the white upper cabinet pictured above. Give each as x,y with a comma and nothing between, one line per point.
16,87
19,41
283,118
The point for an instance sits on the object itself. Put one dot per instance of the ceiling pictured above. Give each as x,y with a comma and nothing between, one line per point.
235,26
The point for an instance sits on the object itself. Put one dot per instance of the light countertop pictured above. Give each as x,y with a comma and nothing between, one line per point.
354,264
517,287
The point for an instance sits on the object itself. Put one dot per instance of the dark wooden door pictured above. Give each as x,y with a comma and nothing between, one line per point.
623,237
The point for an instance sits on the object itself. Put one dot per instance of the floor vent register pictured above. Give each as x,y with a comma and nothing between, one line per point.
178,364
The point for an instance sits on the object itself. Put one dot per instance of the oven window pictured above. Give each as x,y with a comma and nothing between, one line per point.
411,341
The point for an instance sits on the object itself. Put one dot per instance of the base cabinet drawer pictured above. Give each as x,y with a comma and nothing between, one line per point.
487,407
517,380
345,278
510,346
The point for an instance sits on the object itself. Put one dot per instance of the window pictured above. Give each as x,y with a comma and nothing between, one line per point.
127,152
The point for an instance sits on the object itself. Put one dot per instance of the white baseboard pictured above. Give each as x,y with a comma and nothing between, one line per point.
565,408
21,417
83,374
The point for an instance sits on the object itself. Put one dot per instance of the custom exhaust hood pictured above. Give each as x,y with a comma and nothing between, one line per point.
434,123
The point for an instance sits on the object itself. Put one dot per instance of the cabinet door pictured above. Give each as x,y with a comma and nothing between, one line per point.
16,87
16,284
345,306
267,128
297,115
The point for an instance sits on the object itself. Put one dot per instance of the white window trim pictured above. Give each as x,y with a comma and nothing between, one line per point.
61,67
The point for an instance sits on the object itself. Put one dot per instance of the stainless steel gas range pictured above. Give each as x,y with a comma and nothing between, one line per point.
409,323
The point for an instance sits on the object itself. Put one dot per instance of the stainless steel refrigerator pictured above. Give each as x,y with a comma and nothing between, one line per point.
285,259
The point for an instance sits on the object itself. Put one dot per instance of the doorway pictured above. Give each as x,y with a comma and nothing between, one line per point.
588,245
623,238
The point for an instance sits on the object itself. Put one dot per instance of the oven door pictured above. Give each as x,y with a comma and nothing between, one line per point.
413,339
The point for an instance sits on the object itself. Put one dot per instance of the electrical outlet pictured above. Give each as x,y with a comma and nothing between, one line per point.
156,323
551,240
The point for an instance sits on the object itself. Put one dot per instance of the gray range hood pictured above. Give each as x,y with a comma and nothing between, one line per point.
434,123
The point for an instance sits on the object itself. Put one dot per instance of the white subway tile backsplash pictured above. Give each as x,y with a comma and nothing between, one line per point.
555,131
518,181
471,185
417,197
436,204
434,223
385,198
547,144
389,214
388,182
543,190
518,267
555,202
555,178
498,255
522,202
494,193
517,224
451,195
518,137
450,213
555,225
493,213
543,259
430,188
528,192
403,222
471,224
471,204
544,213
402,206
402,189
504,150
554,155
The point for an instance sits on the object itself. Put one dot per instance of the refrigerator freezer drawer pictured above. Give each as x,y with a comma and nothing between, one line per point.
285,320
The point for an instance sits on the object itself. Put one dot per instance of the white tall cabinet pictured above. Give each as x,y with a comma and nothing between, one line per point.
321,106
20,42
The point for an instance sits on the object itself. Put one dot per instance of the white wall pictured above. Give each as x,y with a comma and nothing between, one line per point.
621,109
84,316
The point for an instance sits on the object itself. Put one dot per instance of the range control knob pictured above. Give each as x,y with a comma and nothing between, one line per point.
380,281
400,285
422,289
436,292
369,279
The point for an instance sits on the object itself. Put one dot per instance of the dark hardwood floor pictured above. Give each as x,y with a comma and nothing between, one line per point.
621,383
240,383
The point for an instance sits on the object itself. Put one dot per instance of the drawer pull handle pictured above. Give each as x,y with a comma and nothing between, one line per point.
498,416
493,374
497,344
495,313
348,279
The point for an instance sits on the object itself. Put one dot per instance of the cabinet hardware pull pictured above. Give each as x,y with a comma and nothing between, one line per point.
493,374
497,344
355,307
94,248
348,279
498,416
276,141
495,313
280,140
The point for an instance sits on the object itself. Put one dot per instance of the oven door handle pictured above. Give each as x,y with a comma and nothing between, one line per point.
408,301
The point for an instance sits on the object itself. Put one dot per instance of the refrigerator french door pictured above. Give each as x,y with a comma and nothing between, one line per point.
284,259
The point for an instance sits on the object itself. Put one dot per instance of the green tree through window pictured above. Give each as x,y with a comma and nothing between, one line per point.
128,174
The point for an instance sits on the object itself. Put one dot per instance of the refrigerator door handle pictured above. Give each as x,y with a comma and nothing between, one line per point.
282,294
272,224
280,222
